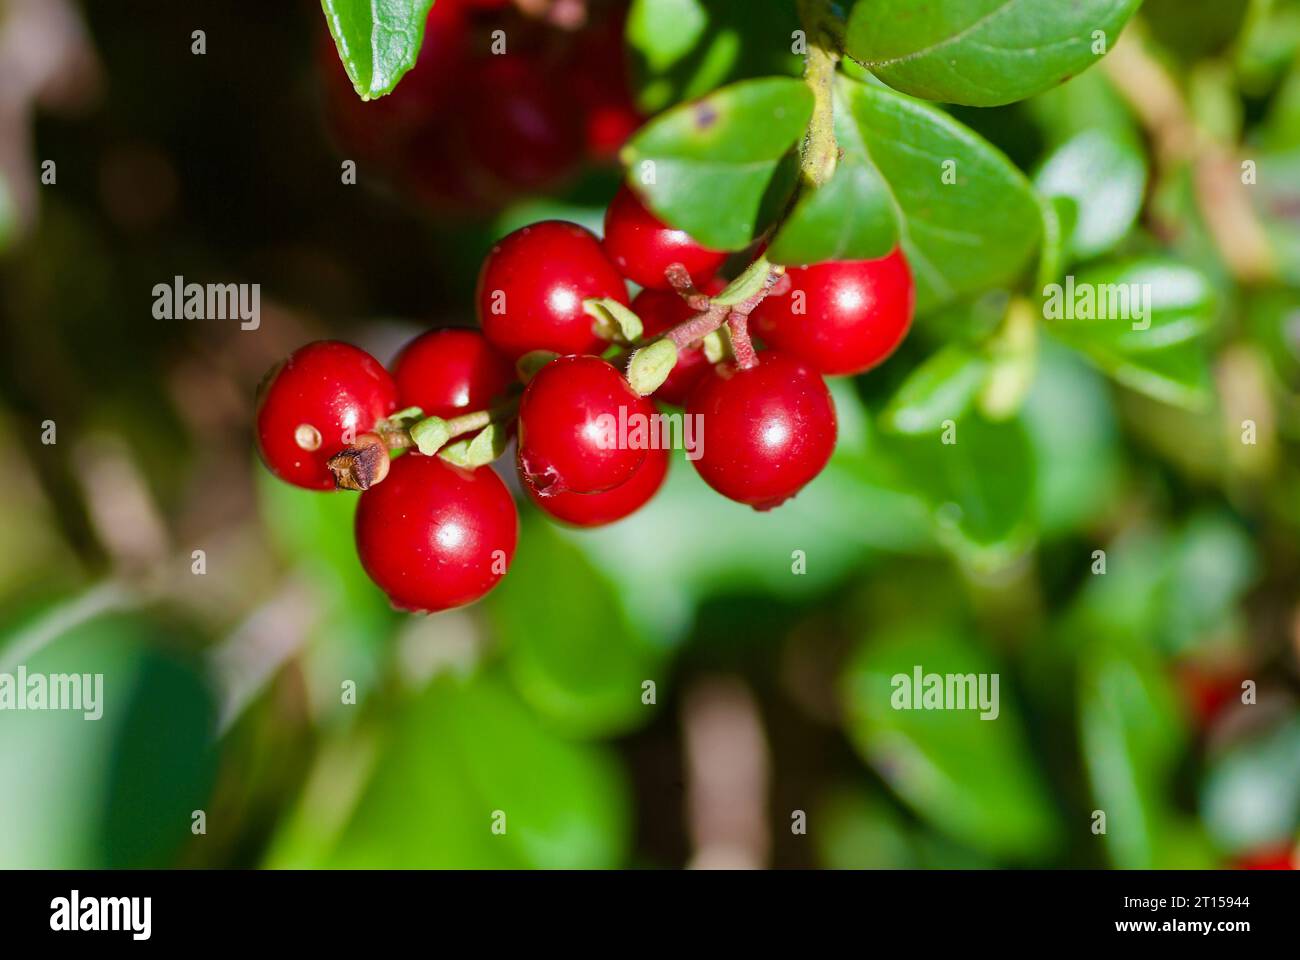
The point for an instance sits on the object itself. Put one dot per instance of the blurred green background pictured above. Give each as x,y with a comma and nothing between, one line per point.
700,684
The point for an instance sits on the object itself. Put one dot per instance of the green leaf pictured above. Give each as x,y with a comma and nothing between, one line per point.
582,668
1132,734
979,485
117,791
378,40
1096,162
849,218
981,53
942,388
746,285
461,756
971,777
711,167
960,237
1142,321
683,49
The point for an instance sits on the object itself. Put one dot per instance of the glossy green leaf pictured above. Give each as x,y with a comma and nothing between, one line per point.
378,40
572,650
1105,175
851,217
982,52
1142,321
683,49
711,167
967,219
467,755
971,777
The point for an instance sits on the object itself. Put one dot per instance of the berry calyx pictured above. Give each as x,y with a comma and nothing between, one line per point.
450,372
532,287
577,428
435,536
317,403
599,509
843,317
661,311
768,430
643,247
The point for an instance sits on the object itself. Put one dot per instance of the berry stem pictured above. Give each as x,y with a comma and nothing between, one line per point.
741,345
820,152
680,278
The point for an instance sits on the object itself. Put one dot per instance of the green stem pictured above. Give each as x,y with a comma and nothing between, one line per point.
820,152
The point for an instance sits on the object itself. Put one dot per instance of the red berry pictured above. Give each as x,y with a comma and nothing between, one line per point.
1281,858
642,246
533,283
315,404
843,317
767,431
660,311
449,372
599,83
576,428
435,536
599,509
521,129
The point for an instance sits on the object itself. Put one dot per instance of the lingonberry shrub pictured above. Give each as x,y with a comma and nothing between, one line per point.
758,277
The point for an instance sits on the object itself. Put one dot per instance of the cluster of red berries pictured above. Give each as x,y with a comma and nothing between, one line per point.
436,527
498,105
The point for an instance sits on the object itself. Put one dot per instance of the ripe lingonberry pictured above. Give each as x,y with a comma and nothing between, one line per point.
449,372
316,403
575,422
843,317
660,311
522,130
435,536
597,76
768,430
533,283
599,509
642,246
